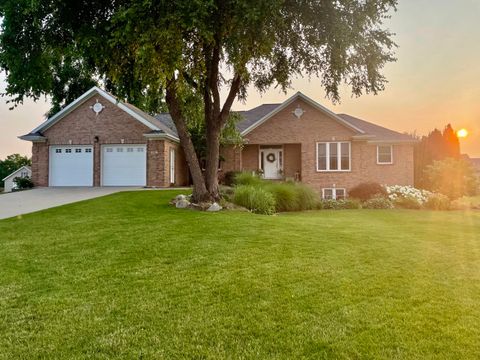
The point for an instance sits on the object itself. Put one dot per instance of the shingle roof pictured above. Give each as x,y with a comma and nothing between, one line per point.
167,121
154,120
379,132
254,115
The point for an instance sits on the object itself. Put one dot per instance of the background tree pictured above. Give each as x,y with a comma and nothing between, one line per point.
434,147
12,163
452,177
149,51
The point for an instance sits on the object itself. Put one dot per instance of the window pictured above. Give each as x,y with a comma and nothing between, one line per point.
88,150
119,149
334,194
333,156
24,174
58,151
384,154
109,150
68,151
129,149
78,150
139,149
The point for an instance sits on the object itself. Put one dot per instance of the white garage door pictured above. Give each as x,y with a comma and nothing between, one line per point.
124,165
71,165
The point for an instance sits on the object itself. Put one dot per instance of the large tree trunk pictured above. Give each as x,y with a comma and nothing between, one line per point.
213,157
200,192
205,186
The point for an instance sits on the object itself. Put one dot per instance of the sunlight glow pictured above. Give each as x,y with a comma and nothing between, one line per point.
462,133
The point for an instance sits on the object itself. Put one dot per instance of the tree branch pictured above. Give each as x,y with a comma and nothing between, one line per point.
234,88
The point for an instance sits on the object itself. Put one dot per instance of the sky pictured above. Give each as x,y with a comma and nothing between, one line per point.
435,80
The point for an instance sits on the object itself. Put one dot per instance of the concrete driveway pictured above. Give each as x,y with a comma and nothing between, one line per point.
24,202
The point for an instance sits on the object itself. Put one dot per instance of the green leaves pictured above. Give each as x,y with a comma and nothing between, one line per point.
60,48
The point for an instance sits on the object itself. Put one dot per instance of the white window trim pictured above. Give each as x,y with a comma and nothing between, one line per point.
334,192
378,155
339,155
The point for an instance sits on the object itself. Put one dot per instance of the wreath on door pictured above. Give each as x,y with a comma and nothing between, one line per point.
271,157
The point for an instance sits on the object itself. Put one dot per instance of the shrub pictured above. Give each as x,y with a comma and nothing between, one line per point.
438,202
255,199
285,196
378,203
407,202
247,178
340,204
307,198
290,196
229,178
367,191
451,177
401,191
22,183
227,192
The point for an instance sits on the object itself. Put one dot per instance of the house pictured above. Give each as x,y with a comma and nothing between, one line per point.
100,141
23,172
301,139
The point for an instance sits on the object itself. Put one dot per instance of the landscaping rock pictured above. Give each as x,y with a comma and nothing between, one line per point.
182,204
214,207
180,197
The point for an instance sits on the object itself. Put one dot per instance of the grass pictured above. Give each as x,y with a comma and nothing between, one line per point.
126,276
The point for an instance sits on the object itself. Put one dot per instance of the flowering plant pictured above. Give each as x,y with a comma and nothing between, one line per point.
398,191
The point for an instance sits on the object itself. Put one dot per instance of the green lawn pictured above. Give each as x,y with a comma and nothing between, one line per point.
127,276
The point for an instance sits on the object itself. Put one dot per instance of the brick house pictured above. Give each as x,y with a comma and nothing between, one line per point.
100,141
330,152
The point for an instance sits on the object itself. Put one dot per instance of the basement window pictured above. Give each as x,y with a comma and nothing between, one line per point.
334,194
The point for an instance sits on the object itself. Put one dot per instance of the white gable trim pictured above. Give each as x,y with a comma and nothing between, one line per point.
18,170
309,101
162,136
90,93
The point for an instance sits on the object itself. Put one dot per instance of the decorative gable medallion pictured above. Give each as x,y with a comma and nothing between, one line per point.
298,112
97,107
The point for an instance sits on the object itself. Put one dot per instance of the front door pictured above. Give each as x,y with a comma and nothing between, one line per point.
271,163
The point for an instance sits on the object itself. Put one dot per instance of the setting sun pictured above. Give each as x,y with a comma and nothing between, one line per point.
462,133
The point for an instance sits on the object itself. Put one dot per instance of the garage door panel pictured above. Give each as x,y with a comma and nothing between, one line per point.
124,165
71,166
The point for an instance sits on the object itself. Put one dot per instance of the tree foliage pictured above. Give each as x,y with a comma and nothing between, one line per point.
436,146
152,52
452,177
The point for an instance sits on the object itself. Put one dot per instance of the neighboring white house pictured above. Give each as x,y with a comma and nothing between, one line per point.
23,172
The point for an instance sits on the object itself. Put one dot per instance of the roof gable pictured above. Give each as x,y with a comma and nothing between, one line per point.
16,171
139,115
251,123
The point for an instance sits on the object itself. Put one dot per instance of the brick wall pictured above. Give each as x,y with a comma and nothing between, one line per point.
40,163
